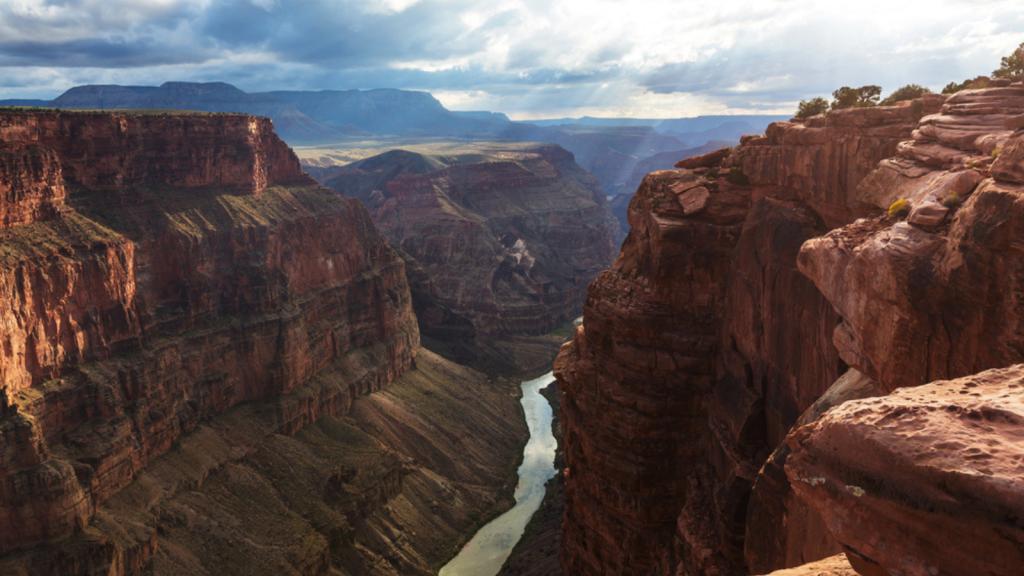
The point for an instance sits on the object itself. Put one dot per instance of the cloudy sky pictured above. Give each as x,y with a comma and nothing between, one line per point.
528,58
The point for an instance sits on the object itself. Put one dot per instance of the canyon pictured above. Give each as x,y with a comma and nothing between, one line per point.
760,287
510,235
805,359
211,364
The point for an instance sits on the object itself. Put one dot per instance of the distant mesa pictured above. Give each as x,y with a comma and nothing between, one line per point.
608,147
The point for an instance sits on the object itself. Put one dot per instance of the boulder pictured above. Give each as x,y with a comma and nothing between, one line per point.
927,481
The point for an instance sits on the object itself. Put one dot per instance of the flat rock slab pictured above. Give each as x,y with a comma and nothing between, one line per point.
836,565
927,481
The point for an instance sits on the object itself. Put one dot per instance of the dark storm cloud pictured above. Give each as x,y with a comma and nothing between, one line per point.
344,34
110,52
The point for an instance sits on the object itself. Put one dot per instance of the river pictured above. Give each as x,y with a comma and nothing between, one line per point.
487,551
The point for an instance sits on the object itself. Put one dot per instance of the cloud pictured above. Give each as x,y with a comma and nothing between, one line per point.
525,57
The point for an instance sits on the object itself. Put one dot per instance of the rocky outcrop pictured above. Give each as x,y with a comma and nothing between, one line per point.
635,374
930,301
823,160
706,160
194,268
701,349
509,237
927,480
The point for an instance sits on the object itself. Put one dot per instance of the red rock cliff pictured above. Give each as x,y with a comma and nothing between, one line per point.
193,267
931,297
101,151
701,349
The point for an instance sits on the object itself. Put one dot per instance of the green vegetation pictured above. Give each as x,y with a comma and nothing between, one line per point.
862,97
847,97
995,153
812,107
951,200
954,87
1010,66
899,209
975,84
736,176
908,92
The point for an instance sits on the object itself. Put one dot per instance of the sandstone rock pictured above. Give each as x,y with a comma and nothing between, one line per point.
906,180
633,379
834,566
928,213
705,160
920,306
1014,122
694,200
822,163
781,529
926,480
1009,165
764,382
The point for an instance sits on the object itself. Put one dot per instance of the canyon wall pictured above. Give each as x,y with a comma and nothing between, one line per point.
510,236
156,271
762,287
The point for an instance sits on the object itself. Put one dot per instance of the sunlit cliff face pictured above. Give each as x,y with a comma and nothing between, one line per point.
530,58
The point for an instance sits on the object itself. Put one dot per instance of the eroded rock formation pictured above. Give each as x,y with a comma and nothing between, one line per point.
192,267
510,237
635,374
718,332
927,480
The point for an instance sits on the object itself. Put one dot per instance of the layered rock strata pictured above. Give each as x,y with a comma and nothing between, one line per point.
194,267
701,349
510,237
635,374
390,489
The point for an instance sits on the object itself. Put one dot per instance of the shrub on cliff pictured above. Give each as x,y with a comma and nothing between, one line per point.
1010,67
899,209
975,84
908,92
736,176
813,107
954,87
862,97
